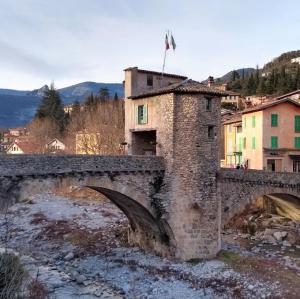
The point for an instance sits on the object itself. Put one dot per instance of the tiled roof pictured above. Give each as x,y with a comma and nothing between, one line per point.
288,94
269,104
235,118
186,86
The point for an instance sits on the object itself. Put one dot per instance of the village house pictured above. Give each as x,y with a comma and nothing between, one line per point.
18,147
147,108
233,150
265,137
233,98
55,146
294,95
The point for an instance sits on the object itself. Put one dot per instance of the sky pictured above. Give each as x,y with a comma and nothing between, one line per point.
71,41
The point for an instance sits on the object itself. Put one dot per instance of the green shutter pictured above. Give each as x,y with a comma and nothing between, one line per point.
137,114
244,143
274,142
274,120
253,121
297,123
240,144
297,142
145,114
253,142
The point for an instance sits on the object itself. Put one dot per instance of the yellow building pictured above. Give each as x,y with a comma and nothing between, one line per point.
269,138
233,141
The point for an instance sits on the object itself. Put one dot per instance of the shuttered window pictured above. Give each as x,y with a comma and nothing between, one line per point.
240,144
141,114
244,142
297,123
297,142
253,121
274,142
253,143
274,120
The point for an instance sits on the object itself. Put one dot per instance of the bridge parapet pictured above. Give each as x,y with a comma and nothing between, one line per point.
19,165
260,177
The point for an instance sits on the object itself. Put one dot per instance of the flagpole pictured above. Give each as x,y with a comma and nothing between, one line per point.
164,63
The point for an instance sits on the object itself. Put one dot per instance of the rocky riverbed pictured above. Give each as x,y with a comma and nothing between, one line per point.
77,248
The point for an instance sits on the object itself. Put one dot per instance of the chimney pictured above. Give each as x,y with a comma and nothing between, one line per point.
210,81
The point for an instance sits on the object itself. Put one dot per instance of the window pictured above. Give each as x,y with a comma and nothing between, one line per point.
210,132
274,142
253,121
239,129
244,142
297,142
141,114
274,120
253,143
208,104
240,144
297,123
245,123
149,80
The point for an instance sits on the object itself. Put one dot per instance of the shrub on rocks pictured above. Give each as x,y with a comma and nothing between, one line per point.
12,276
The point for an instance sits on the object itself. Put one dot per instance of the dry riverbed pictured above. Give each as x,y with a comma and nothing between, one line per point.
78,249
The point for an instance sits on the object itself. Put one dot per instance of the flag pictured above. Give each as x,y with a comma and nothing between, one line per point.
173,42
167,42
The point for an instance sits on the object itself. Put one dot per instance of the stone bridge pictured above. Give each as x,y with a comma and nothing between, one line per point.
174,218
131,183
238,188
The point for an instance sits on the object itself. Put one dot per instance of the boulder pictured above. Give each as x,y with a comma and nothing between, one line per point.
279,236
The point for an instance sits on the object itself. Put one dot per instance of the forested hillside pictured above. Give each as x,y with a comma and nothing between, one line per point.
277,77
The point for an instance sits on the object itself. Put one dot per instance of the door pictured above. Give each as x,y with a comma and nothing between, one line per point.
296,166
270,164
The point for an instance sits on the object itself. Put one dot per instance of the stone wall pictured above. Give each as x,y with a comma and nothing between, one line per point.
238,188
12,165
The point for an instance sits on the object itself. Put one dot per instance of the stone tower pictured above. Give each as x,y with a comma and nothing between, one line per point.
184,119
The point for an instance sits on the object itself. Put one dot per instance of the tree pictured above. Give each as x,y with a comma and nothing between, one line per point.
251,86
90,101
52,108
235,76
76,108
103,94
261,88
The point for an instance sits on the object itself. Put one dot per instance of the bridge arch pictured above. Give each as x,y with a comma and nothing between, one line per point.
130,192
238,189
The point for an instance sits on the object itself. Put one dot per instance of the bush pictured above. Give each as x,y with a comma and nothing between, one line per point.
12,276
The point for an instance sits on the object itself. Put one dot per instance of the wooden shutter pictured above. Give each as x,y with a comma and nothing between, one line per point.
253,143
137,114
145,114
274,120
274,142
253,121
297,123
297,142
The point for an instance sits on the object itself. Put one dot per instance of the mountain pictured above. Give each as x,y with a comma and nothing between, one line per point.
17,107
82,90
246,71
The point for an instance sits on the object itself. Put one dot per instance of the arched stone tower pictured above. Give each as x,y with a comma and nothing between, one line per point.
181,122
